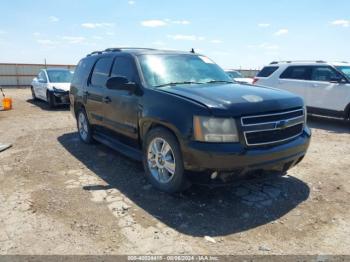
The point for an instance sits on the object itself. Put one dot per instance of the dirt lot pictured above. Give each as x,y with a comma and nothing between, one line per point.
59,196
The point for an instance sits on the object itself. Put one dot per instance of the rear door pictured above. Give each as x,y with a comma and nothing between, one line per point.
323,93
295,79
121,114
95,93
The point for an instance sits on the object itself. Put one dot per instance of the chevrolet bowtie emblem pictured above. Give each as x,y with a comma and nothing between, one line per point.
282,124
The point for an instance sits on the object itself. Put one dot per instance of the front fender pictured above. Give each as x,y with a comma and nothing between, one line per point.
170,111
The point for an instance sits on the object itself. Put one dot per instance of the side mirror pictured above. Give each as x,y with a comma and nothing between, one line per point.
338,79
120,83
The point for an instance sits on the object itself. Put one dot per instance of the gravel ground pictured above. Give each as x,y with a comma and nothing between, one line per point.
59,196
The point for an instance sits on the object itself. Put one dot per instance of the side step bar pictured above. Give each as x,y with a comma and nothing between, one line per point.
118,146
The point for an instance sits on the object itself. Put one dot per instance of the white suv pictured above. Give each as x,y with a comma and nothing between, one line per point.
324,86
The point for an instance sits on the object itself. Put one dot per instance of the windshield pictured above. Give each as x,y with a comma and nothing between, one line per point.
60,76
345,70
234,74
161,70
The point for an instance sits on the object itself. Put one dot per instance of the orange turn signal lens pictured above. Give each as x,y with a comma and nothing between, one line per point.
198,132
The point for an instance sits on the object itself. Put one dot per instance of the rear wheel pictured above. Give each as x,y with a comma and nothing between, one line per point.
84,128
162,160
33,93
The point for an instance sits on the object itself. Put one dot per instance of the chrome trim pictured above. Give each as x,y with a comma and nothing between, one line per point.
275,114
274,142
245,132
271,129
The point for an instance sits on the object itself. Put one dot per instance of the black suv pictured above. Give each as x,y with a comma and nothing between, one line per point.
180,114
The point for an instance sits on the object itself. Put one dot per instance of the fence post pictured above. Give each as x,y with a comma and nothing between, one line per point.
17,77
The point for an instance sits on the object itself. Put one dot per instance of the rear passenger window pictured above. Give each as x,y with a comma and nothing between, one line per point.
267,71
82,71
101,71
296,72
124,67
323,73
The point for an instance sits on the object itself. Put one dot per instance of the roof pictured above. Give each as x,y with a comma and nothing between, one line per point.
138,51
309,62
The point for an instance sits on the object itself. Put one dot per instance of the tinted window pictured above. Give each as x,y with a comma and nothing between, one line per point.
83,70
297,72
101,71
323,73
124,66
267,71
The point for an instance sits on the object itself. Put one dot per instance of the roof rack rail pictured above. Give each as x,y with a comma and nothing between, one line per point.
95,53
297,61
118,49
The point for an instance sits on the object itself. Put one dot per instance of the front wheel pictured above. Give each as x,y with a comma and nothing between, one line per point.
162,160
50,99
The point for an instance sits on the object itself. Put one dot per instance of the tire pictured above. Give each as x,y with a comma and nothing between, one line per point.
33,93
164,168
84,127
50,99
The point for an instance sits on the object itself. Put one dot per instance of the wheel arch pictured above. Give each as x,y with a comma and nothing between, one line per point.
148,125
77,107
347,112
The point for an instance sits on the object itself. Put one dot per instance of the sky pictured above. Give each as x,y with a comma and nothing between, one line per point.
235,34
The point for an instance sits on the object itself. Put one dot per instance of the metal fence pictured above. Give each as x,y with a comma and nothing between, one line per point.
248,72
21,75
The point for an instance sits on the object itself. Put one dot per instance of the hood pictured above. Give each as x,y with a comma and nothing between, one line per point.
236,99
63,86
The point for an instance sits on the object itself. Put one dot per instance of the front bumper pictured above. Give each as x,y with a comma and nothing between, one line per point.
61,98
236,158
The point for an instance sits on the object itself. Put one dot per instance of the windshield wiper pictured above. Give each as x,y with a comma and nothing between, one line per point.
179,83
219,81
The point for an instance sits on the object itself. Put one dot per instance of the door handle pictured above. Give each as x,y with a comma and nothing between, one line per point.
106,100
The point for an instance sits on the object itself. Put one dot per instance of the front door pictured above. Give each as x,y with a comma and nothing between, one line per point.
41,85
121,114
323,93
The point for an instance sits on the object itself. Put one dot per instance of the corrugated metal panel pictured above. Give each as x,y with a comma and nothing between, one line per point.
23,74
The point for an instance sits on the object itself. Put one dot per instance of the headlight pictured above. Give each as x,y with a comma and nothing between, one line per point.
57,89
208,129
305,114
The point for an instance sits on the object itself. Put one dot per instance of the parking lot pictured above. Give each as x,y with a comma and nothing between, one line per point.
60,196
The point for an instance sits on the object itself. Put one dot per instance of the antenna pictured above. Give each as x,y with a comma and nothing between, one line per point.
45,63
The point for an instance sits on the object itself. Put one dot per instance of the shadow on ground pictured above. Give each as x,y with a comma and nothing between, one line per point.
333,125
199,211
45,106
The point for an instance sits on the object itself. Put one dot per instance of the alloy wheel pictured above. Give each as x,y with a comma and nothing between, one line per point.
161,160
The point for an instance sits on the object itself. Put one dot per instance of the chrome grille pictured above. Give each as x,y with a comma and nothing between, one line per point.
273,128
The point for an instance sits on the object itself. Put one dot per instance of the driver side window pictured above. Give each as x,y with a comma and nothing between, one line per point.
42,77
324,74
